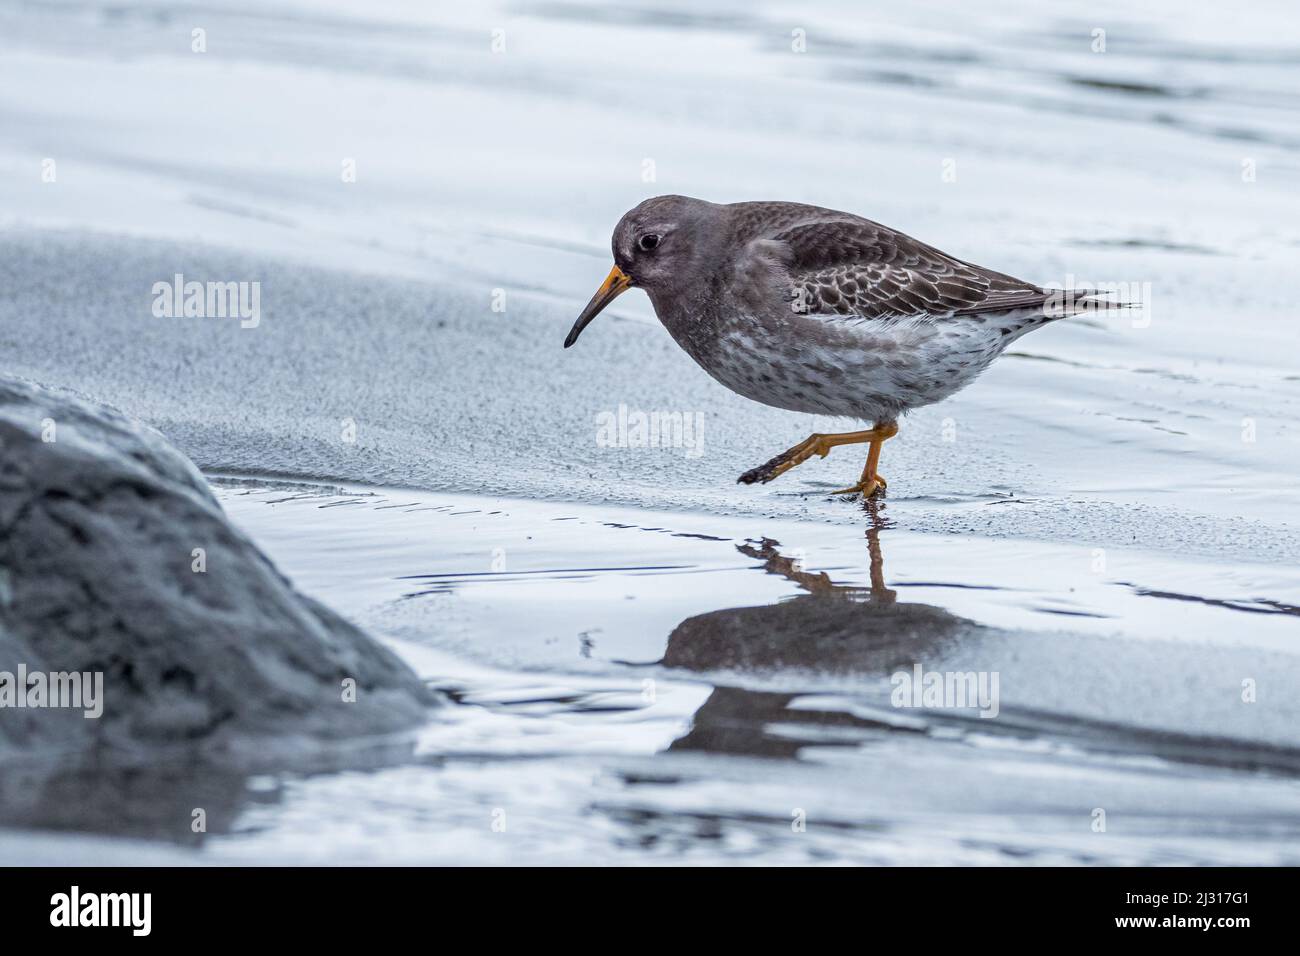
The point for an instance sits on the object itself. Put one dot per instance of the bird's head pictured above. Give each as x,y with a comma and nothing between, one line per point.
655,246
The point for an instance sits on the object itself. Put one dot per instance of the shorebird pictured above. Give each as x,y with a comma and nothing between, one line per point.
820,311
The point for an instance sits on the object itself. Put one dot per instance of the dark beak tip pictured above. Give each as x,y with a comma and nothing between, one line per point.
615,284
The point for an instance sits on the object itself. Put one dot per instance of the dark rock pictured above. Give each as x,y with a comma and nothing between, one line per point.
100,519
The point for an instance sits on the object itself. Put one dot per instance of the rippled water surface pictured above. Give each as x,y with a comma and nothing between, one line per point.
643,661
688,691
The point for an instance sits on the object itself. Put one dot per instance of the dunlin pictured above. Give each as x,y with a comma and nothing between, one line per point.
820,311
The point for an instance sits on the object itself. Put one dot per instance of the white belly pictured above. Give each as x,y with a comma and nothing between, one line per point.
869,369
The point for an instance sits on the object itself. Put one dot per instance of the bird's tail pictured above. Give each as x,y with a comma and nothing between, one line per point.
1064,303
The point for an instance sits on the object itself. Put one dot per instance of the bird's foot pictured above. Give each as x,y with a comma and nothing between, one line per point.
812,445
866,487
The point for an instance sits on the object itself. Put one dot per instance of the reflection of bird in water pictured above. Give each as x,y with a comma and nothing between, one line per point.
820,583
831,629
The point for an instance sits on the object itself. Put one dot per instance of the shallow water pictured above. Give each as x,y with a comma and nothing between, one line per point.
1107,518
632,685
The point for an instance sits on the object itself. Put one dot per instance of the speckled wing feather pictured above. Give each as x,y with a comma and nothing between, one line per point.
861,268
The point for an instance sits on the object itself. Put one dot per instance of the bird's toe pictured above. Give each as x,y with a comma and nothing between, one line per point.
869,488
766,471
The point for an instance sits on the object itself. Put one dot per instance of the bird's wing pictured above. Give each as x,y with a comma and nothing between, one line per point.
861,268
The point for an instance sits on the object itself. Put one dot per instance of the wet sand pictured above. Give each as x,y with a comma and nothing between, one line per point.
634,686
655,678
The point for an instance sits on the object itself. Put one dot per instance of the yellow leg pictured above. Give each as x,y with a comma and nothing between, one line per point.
819,444
872,482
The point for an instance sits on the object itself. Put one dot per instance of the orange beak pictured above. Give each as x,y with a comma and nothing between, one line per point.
615,284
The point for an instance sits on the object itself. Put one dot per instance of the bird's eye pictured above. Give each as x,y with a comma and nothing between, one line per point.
649,242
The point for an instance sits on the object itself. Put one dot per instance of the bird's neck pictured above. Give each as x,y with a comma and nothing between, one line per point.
689,319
